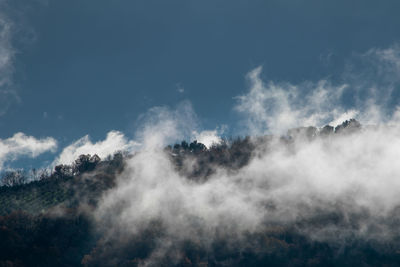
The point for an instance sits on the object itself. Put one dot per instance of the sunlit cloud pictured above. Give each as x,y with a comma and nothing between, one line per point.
114,142
20,145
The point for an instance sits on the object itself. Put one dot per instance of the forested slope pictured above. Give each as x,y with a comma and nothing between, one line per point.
55,221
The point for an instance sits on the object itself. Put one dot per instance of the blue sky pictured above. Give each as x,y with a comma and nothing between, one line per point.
83,67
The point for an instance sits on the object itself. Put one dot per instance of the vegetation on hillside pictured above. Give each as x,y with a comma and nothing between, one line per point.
49,220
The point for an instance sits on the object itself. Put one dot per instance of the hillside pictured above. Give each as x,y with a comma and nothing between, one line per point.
94,212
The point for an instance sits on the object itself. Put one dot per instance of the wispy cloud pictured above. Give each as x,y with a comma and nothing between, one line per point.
23,145
366,92
275,108
166,125
15,31
180,88
7,57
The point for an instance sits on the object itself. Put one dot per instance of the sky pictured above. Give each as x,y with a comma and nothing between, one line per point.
97,69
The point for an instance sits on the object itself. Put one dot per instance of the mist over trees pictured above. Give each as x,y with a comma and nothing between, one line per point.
56,218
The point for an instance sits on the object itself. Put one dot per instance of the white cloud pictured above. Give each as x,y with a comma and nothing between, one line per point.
209,137
114,142
159,127
275,108
349,114
22,145
366,92
166,126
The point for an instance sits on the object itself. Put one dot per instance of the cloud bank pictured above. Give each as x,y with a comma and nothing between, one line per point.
307,176
349,175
